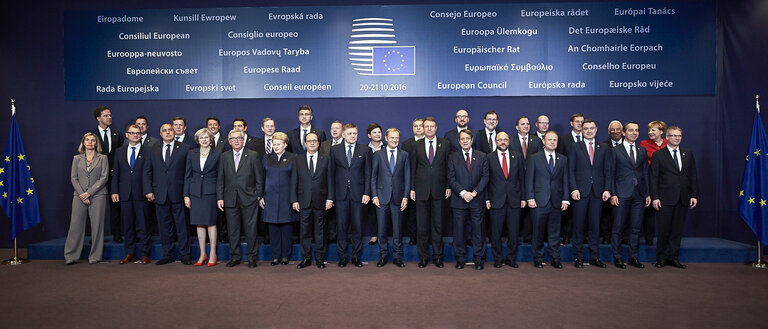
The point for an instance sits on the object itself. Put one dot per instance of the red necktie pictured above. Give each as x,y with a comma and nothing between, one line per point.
525,147
467,153
504,167
591,154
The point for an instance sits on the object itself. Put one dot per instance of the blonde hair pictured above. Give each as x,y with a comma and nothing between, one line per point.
204,131
281,136
81,148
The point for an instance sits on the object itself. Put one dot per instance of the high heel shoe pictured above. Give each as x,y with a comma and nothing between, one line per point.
212,264
201,263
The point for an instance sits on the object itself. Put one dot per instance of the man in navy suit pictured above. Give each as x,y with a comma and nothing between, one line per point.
674,188
390,184
452,136
614,138
219,141
485,139
296,135
249,141
564,147
180,132
110,140
127,180
546,189
468,179
164,185
312,196
589,172
429,168
506,175
264,145
143,123
525,143
409,215
629,193
351,162
542,126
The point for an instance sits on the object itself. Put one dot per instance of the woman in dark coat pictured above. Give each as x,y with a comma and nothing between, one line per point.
200,192
276,203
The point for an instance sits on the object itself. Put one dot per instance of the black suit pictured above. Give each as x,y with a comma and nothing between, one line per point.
165,179
409,215
474,178
351,182
222,144
430,194
116,139
549,189
452,136
564,144
188,139
295,143
504,195
127,184
311,190
534,145
482,142
591,178
674,188
241,190
630,185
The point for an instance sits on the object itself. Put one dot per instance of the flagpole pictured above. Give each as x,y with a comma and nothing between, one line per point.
15,260
759,263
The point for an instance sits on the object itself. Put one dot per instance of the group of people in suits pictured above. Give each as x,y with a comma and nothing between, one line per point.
487,180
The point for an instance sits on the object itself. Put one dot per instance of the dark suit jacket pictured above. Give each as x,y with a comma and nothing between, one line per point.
260,145
166,182
127,182
534,145
407,145
610,144
508,189
669,184
188,139
148,141
481,141
244,186
591,179
565,142
452,137
387,185
325,146
312,190
351,181
432,178
201,181
548,189
294,139
473,179
249,143
117,139
223,144
626,176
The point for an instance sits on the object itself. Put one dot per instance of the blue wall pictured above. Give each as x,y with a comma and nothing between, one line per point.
715,127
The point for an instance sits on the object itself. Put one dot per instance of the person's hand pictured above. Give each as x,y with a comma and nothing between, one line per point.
187,202
413,195
84,196
295,206
563,206
328,205
220,203
468,197
447,193
115,198
656,204
522,203
403,204
261,203
615,201
376,202
575,195
366,199
606,195
150,197
488,205
647,201
532,204
87,202
694,202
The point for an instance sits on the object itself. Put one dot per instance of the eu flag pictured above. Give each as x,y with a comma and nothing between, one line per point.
17,186
396,60
753,197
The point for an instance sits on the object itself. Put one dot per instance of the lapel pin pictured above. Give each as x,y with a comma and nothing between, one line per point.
682,153
284,159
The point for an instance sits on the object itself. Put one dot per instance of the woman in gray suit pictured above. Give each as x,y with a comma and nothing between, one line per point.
200,192
89,178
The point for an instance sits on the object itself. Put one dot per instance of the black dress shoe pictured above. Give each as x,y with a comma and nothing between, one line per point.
439,262
460,265
497,264
284,261
423,263
469,243
71,262
528,241
479,266
597,262
304,263
274,262
342,262
371,242
510,263
676,263
538,264
164,261
578,263
648,242
224,240
557,264
252,263
624,241
636,263
412,242
233,263
605,241
566,240
118,239
357,262
320,263
398,262
618,263
187,261
659,264
382,262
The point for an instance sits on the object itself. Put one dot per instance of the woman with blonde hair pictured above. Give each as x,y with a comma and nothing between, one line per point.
200,192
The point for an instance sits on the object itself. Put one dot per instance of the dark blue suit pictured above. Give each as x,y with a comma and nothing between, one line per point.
472,179
505,195
167,184
630,185
127,182
200,186
295,143
391,187
590,178
351,183
481,142
430,194
117,138
549,190
452,136
534,145
311,190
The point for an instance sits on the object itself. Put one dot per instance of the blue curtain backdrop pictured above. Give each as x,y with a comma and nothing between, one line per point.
716,128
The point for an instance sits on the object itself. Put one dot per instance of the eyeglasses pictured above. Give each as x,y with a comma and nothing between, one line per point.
236,138
133,133
462,116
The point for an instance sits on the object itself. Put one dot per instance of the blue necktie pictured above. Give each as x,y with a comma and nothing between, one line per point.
133,156
303,135
551,164
392,161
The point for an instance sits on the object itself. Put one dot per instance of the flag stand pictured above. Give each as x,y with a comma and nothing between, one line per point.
15,260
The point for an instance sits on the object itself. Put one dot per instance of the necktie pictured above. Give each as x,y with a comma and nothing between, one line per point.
490,141
303,134
551,164
349,156
237,160
525,147
133,156
142,141
674,157
467,155
578,138
311,165
591,154
334,142
632,155
392,161
504,167
178,138
269,146
431,152
167,154
106,143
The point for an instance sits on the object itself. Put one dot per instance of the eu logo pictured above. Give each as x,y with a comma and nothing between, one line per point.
399,60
